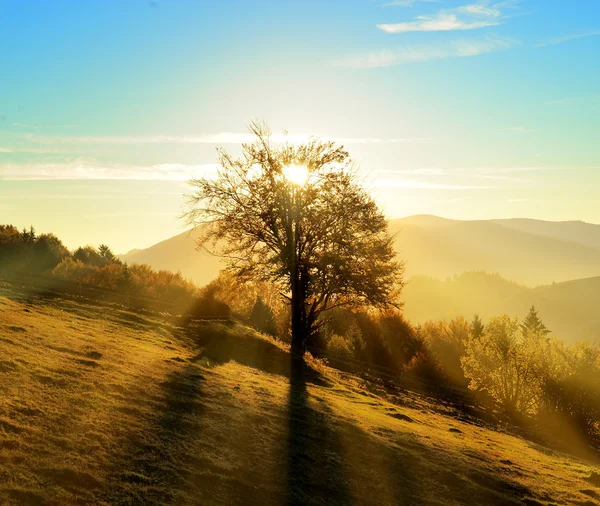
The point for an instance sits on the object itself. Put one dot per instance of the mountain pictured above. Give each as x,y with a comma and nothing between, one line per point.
578,232
529,252
439,248
571,310
178,253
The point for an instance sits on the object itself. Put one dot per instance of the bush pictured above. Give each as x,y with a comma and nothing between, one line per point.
573,393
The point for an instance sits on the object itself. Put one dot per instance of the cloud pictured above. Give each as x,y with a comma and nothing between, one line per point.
407,3
427,52
411,184
83,168
441,23
220,138
592,99
467,17
27,126
566,38
518,129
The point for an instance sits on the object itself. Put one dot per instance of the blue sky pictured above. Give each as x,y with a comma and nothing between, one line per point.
468,109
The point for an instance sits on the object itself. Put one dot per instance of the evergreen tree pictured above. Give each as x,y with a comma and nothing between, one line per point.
532,325
28,235
107,255
477,328
126,280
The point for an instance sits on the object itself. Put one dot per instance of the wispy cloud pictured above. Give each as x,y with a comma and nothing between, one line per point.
407,3
467,17
411,184
566,38
427,52
219,138
518,129
83,168
591,99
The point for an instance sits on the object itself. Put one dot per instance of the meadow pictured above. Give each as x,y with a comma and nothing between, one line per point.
101,405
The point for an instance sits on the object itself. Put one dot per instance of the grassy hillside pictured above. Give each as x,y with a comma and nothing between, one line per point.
529,252
571,309
104,406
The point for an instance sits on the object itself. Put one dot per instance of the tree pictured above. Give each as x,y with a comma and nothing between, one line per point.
477,328
48,252
262,318
89,256
506,365
106,254
446,343
295,215
533,326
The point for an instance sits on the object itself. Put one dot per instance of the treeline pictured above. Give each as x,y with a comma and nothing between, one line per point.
23,253
512,367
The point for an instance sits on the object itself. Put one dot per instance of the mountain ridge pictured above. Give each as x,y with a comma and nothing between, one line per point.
529,252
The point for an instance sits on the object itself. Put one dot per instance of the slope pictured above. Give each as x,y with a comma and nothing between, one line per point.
112,407
579,232
178,253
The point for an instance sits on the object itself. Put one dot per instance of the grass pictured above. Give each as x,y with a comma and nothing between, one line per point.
103,406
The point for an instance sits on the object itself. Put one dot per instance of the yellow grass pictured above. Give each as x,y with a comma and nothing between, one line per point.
104,406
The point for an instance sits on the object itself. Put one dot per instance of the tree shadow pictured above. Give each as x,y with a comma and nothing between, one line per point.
315,473
156,464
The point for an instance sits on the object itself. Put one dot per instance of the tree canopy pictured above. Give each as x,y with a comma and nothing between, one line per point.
296,216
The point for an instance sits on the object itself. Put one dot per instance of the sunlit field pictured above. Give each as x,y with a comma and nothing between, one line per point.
105,406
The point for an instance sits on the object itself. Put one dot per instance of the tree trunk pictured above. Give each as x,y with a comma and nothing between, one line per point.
300,328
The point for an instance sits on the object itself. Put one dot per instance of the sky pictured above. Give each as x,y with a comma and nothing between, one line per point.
467,109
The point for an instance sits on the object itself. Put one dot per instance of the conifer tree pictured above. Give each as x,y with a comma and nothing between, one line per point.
477,328
532,325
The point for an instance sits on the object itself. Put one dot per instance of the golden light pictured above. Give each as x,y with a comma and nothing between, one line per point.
296,174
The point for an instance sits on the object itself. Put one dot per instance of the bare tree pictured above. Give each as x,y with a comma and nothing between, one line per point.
295,215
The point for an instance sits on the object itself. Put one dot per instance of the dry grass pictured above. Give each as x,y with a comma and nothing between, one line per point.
103,406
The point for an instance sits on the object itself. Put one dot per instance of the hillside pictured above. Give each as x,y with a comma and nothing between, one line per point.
179,253
112,407
445,248
529,252
578,232
570,309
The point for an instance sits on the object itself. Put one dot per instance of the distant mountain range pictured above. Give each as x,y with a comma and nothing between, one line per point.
528,252
571,310
447,262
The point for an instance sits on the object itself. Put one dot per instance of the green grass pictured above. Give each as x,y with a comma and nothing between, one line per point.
102,406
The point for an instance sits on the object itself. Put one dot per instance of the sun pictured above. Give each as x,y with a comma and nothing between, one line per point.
296,174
